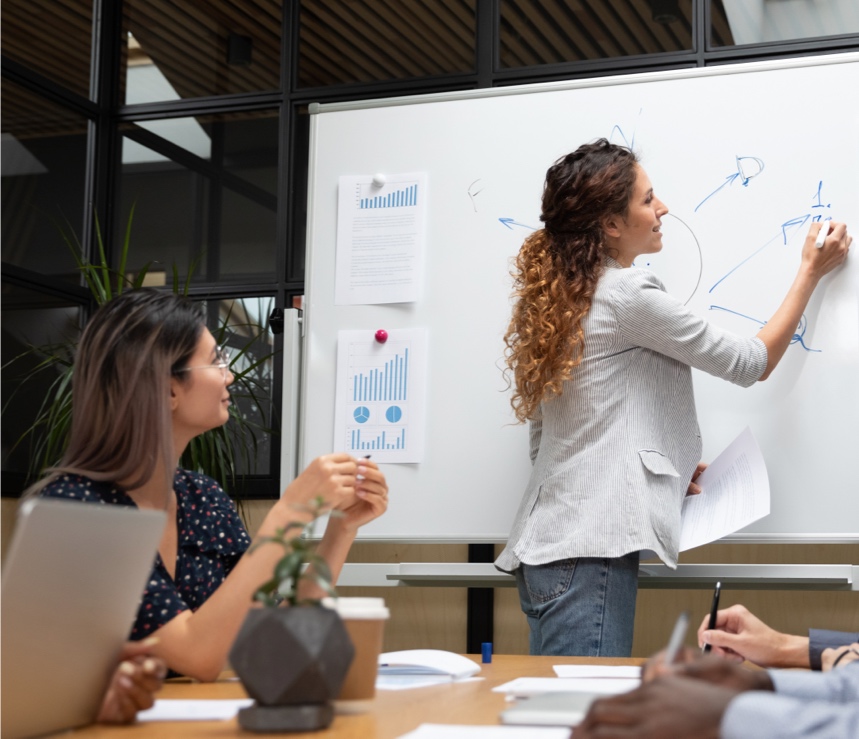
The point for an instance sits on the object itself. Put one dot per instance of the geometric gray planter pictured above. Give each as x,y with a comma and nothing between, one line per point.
292,662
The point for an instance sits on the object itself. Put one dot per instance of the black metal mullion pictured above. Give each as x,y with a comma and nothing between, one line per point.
480,614
102,143
701,17
198,106
487,40
214,206
204,167
32,81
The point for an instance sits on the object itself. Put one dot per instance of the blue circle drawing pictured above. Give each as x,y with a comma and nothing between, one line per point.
394,413
361,414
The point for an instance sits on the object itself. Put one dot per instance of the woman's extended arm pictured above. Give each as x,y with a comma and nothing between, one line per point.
779,331
369,502
197,643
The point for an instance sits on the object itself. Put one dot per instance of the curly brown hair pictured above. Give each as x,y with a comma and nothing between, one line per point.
556,271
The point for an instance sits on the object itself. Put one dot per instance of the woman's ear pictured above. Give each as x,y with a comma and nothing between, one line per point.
610,226
175,387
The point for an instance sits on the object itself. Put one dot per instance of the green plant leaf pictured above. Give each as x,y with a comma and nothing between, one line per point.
123,252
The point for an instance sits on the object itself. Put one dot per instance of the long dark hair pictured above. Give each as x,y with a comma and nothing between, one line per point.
556,271
121,419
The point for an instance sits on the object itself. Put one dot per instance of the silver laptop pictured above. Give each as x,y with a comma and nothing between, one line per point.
72,580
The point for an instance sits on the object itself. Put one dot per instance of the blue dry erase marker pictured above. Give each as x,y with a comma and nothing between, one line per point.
486,652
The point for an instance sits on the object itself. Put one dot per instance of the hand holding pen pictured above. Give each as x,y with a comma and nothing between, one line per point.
664,661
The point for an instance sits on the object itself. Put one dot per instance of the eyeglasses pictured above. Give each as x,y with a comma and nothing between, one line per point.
222,362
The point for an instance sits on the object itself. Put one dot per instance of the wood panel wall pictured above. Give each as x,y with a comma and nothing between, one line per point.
434,618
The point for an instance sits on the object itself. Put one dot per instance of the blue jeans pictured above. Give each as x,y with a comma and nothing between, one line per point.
581,607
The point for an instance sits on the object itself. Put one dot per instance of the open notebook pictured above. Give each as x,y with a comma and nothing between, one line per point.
550,709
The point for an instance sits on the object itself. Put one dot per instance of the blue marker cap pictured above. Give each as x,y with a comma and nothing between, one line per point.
486,650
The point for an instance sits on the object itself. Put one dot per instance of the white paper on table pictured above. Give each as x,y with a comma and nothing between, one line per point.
735,492
523,687
598,671
380,239
193,710
407,682
380,397
458,731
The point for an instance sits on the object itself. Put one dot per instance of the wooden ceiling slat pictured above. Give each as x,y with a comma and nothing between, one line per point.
76,15
720,31
332,45
190,49
57,44
666,35
387,40
425,24
531,35
339,41
613,27
421,29
518,36
358,31
584,46
188,63
319,68
230,18
463,13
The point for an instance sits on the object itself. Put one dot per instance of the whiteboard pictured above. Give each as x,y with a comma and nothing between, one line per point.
746,156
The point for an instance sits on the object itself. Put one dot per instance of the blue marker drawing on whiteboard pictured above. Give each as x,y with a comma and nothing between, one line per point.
788,230
798,337
747,168
472,193
819,203
620,137
509,222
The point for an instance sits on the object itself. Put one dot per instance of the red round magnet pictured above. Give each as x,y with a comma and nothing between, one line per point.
381,336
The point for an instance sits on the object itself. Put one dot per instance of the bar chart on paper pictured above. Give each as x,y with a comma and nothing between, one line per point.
380,395
405,194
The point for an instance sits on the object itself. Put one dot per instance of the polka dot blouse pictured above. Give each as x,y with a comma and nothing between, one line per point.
211,540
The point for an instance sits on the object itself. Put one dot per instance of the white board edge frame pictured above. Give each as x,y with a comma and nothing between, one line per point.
608,81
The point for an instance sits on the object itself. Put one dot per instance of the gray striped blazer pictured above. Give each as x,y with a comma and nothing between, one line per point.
614,453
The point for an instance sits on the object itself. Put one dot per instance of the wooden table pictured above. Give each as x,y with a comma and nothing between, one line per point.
391,714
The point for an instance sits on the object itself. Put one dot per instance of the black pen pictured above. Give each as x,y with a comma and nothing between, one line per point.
711,624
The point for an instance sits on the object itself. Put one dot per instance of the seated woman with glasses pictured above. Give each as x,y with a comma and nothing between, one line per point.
148,378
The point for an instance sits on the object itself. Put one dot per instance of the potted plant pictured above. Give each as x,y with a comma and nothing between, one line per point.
220,453
292,661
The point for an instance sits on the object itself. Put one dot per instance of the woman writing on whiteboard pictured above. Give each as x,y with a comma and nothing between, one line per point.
148,378
601,360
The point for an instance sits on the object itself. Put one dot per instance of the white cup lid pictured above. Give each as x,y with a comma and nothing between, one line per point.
358,608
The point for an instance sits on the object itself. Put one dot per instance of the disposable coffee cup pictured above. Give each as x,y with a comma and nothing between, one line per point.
364,619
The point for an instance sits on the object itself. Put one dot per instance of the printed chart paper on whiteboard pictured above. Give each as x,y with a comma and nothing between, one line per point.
381,395
380,239
735,492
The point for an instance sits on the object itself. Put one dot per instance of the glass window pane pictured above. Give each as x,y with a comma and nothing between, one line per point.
344,41
241,326
43,172
30,319
738,22
176,51
204,192
535,32
51,38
